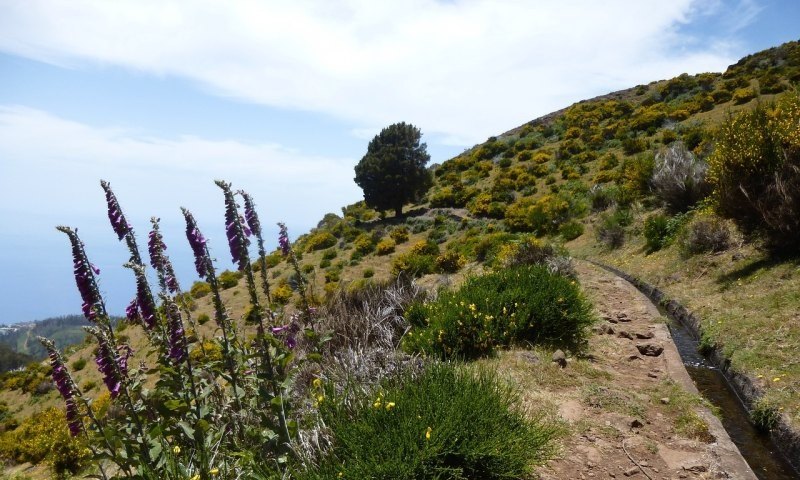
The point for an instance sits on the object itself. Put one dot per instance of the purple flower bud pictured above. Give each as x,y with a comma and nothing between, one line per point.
124,353
118,223
283,239
177,340
202,263
84,275
288,332
237,237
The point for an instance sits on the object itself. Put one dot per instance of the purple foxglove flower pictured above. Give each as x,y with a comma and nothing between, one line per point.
202,263
61,377
74,421
250,215
237,237
288,332
283,239
177,340
124,353
159,260
106,361
132,312
118,223
144,299
84,275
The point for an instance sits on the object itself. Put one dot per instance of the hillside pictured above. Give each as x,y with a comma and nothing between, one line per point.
576,182
65,330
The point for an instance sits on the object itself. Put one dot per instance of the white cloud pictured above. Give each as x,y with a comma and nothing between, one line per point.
47,159
462,70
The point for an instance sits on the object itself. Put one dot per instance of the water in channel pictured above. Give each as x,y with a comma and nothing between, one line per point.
756,447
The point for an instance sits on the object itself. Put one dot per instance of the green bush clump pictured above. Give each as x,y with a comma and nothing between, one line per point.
444,423
79,364
571,230
319,240
679,178
413,264
660,230
399,234
755,171
200,289
611,231
522,304
363,244
229,279
450,262
743,95
385,246
542,215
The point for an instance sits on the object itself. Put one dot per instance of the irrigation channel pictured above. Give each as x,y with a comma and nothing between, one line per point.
756,447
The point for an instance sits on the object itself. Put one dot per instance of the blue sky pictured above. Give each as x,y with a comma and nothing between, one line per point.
161,98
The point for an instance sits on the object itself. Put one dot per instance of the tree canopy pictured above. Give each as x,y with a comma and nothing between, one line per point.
393,173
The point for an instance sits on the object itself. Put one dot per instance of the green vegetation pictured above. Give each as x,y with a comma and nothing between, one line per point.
445,422
519,305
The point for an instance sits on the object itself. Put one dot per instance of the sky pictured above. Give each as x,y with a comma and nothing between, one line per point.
160,98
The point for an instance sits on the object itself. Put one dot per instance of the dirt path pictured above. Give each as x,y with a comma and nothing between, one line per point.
641,418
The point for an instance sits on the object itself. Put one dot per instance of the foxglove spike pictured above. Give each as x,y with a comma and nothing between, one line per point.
118,223
177,340
74,421
283,239
202,263
250,215
84,275
237,237
159,260
132,312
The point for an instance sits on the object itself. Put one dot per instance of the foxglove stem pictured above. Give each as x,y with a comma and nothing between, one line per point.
176,338
120,224
85,277
205,269
160,261
253,222
288,252
234,230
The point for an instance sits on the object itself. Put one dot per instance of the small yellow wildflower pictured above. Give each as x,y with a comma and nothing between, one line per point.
214,471
176,449
428,433
377,404
776,379
341,474
196,477
389,405
320,399
317,383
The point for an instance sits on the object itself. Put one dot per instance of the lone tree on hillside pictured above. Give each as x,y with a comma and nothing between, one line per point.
393,171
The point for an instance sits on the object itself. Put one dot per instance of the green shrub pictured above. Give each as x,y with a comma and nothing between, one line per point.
413,264
200,289
450,262
319,240
324,263
542,215
385,246
368,273
329,254
489,246
203,318
571,230
635,175
755,171
399,234
522,304
661,230
611,231
273,259
445,423
363,244
229,279
743,95
79,364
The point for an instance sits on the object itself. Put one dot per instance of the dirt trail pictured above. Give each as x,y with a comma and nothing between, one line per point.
622,425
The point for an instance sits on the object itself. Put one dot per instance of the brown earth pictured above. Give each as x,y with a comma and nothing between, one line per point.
642,418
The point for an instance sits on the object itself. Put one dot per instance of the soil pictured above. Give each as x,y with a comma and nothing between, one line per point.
618,429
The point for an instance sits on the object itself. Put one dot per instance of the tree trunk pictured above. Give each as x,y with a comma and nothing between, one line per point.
398,211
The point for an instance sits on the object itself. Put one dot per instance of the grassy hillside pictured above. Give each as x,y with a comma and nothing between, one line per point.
65,330
578,181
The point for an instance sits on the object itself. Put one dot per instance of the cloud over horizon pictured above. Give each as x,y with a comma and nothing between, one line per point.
460,70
